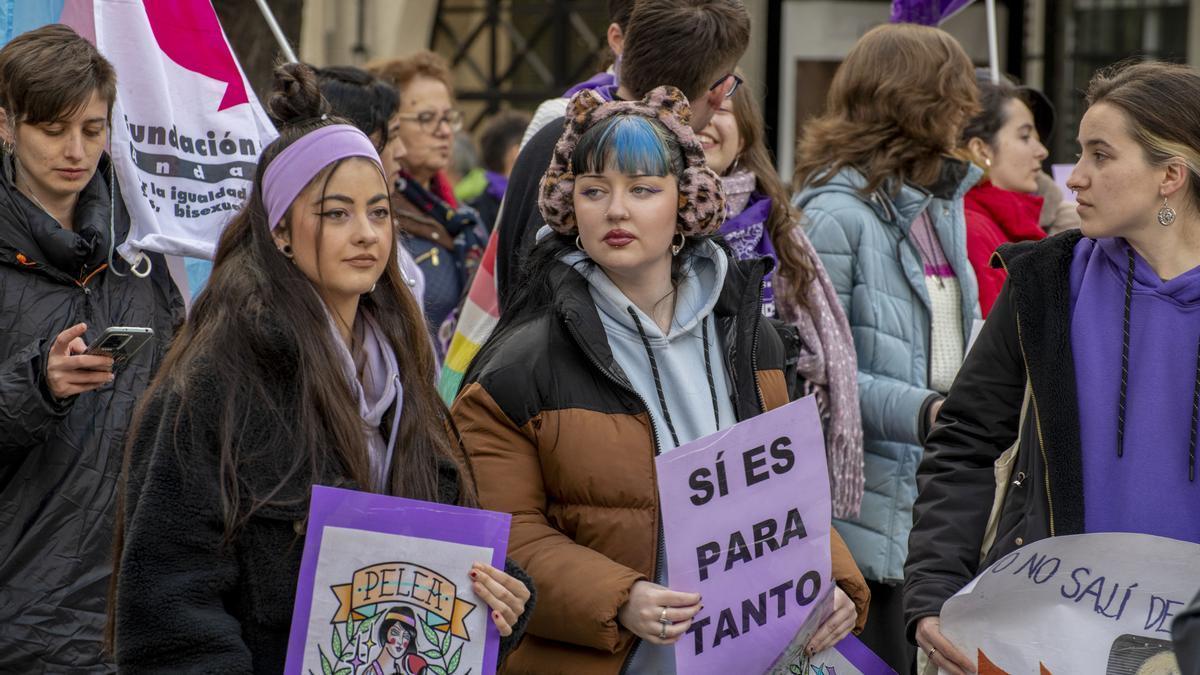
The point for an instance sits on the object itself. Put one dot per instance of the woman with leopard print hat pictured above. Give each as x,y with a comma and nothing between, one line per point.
596,368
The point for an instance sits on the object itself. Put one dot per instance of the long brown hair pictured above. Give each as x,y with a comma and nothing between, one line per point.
257,304
795,267
895,108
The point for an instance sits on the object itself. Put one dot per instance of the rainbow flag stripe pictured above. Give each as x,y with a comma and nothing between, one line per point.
480,313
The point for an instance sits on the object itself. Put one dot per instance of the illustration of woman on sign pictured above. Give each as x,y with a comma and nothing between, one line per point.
398,635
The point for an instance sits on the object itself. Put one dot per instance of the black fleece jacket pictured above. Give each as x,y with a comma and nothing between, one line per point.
186,601
1027,335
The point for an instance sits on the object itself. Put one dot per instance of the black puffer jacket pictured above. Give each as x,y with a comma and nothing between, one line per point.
1027,334
59,461
186,601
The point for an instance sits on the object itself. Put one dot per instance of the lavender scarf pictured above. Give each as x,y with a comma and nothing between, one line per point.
827,362
375,392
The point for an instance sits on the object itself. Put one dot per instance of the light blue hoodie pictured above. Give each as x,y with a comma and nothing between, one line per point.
682,372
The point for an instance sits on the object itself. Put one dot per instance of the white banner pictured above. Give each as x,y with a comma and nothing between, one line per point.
187,129
1089,603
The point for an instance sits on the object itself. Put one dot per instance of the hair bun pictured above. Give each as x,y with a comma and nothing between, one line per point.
295,96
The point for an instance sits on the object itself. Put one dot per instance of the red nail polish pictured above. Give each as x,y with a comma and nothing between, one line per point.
473,574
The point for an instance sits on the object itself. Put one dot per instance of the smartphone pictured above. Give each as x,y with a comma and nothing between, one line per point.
120,343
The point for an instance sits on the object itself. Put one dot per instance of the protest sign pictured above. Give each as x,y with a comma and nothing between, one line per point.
1088,603
383,587
848,657
746,519
187,129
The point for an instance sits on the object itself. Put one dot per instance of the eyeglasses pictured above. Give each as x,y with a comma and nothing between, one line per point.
737,82
429,121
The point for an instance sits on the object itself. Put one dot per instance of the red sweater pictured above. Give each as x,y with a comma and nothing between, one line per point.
996,216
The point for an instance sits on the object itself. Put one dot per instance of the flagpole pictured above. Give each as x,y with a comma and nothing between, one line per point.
278,32
993,51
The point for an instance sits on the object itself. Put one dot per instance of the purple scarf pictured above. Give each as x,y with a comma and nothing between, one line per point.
597,81
496,185
746,235
827,363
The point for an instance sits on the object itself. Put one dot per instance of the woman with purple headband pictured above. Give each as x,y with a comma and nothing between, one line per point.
305,362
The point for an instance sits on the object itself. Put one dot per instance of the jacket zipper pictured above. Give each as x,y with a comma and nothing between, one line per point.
762,406
1037,417
657,450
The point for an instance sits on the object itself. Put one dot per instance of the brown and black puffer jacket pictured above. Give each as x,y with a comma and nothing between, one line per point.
559,438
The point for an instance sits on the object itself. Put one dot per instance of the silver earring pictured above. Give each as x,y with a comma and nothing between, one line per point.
579,244
286,250
1166,214
987,161
676,248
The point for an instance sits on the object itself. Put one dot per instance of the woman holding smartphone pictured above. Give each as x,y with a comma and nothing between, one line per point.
305,362
63,413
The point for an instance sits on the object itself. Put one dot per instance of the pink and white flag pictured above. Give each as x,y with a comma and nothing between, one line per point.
187,129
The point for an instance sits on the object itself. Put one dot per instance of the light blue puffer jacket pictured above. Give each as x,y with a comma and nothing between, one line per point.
879,277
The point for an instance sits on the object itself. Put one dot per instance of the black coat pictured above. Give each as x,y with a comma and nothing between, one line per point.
60,460
1027,334
187,602
520,219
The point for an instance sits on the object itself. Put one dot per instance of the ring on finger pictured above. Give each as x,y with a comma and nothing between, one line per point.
662,631
931,652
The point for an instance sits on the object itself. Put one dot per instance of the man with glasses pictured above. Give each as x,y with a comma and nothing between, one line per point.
692,45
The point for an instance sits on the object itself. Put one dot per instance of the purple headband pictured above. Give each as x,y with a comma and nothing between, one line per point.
293,168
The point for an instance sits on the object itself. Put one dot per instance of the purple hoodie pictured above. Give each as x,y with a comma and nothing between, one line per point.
1147,488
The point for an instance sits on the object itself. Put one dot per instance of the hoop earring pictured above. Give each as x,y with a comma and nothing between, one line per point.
676,248
286,250
579,244
1166,214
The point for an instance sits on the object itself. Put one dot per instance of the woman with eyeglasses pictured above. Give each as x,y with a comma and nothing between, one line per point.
446,239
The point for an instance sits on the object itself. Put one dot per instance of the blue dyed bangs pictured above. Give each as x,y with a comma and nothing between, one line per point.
631,144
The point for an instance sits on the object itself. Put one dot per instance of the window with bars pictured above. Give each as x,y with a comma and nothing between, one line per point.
517,53
1099,33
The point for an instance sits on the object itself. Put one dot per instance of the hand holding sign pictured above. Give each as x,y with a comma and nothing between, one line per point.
837,625
505,594
650,605
941,650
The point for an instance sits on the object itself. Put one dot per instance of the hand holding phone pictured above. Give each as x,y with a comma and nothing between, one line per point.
120,343
70,371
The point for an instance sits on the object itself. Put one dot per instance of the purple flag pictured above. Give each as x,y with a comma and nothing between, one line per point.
746,518
384,587
926,12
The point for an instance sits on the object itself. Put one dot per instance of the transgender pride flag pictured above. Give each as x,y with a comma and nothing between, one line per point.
926,12
18,16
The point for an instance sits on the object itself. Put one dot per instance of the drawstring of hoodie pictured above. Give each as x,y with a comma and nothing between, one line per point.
1195,419
1125,381
1124,360
662,399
